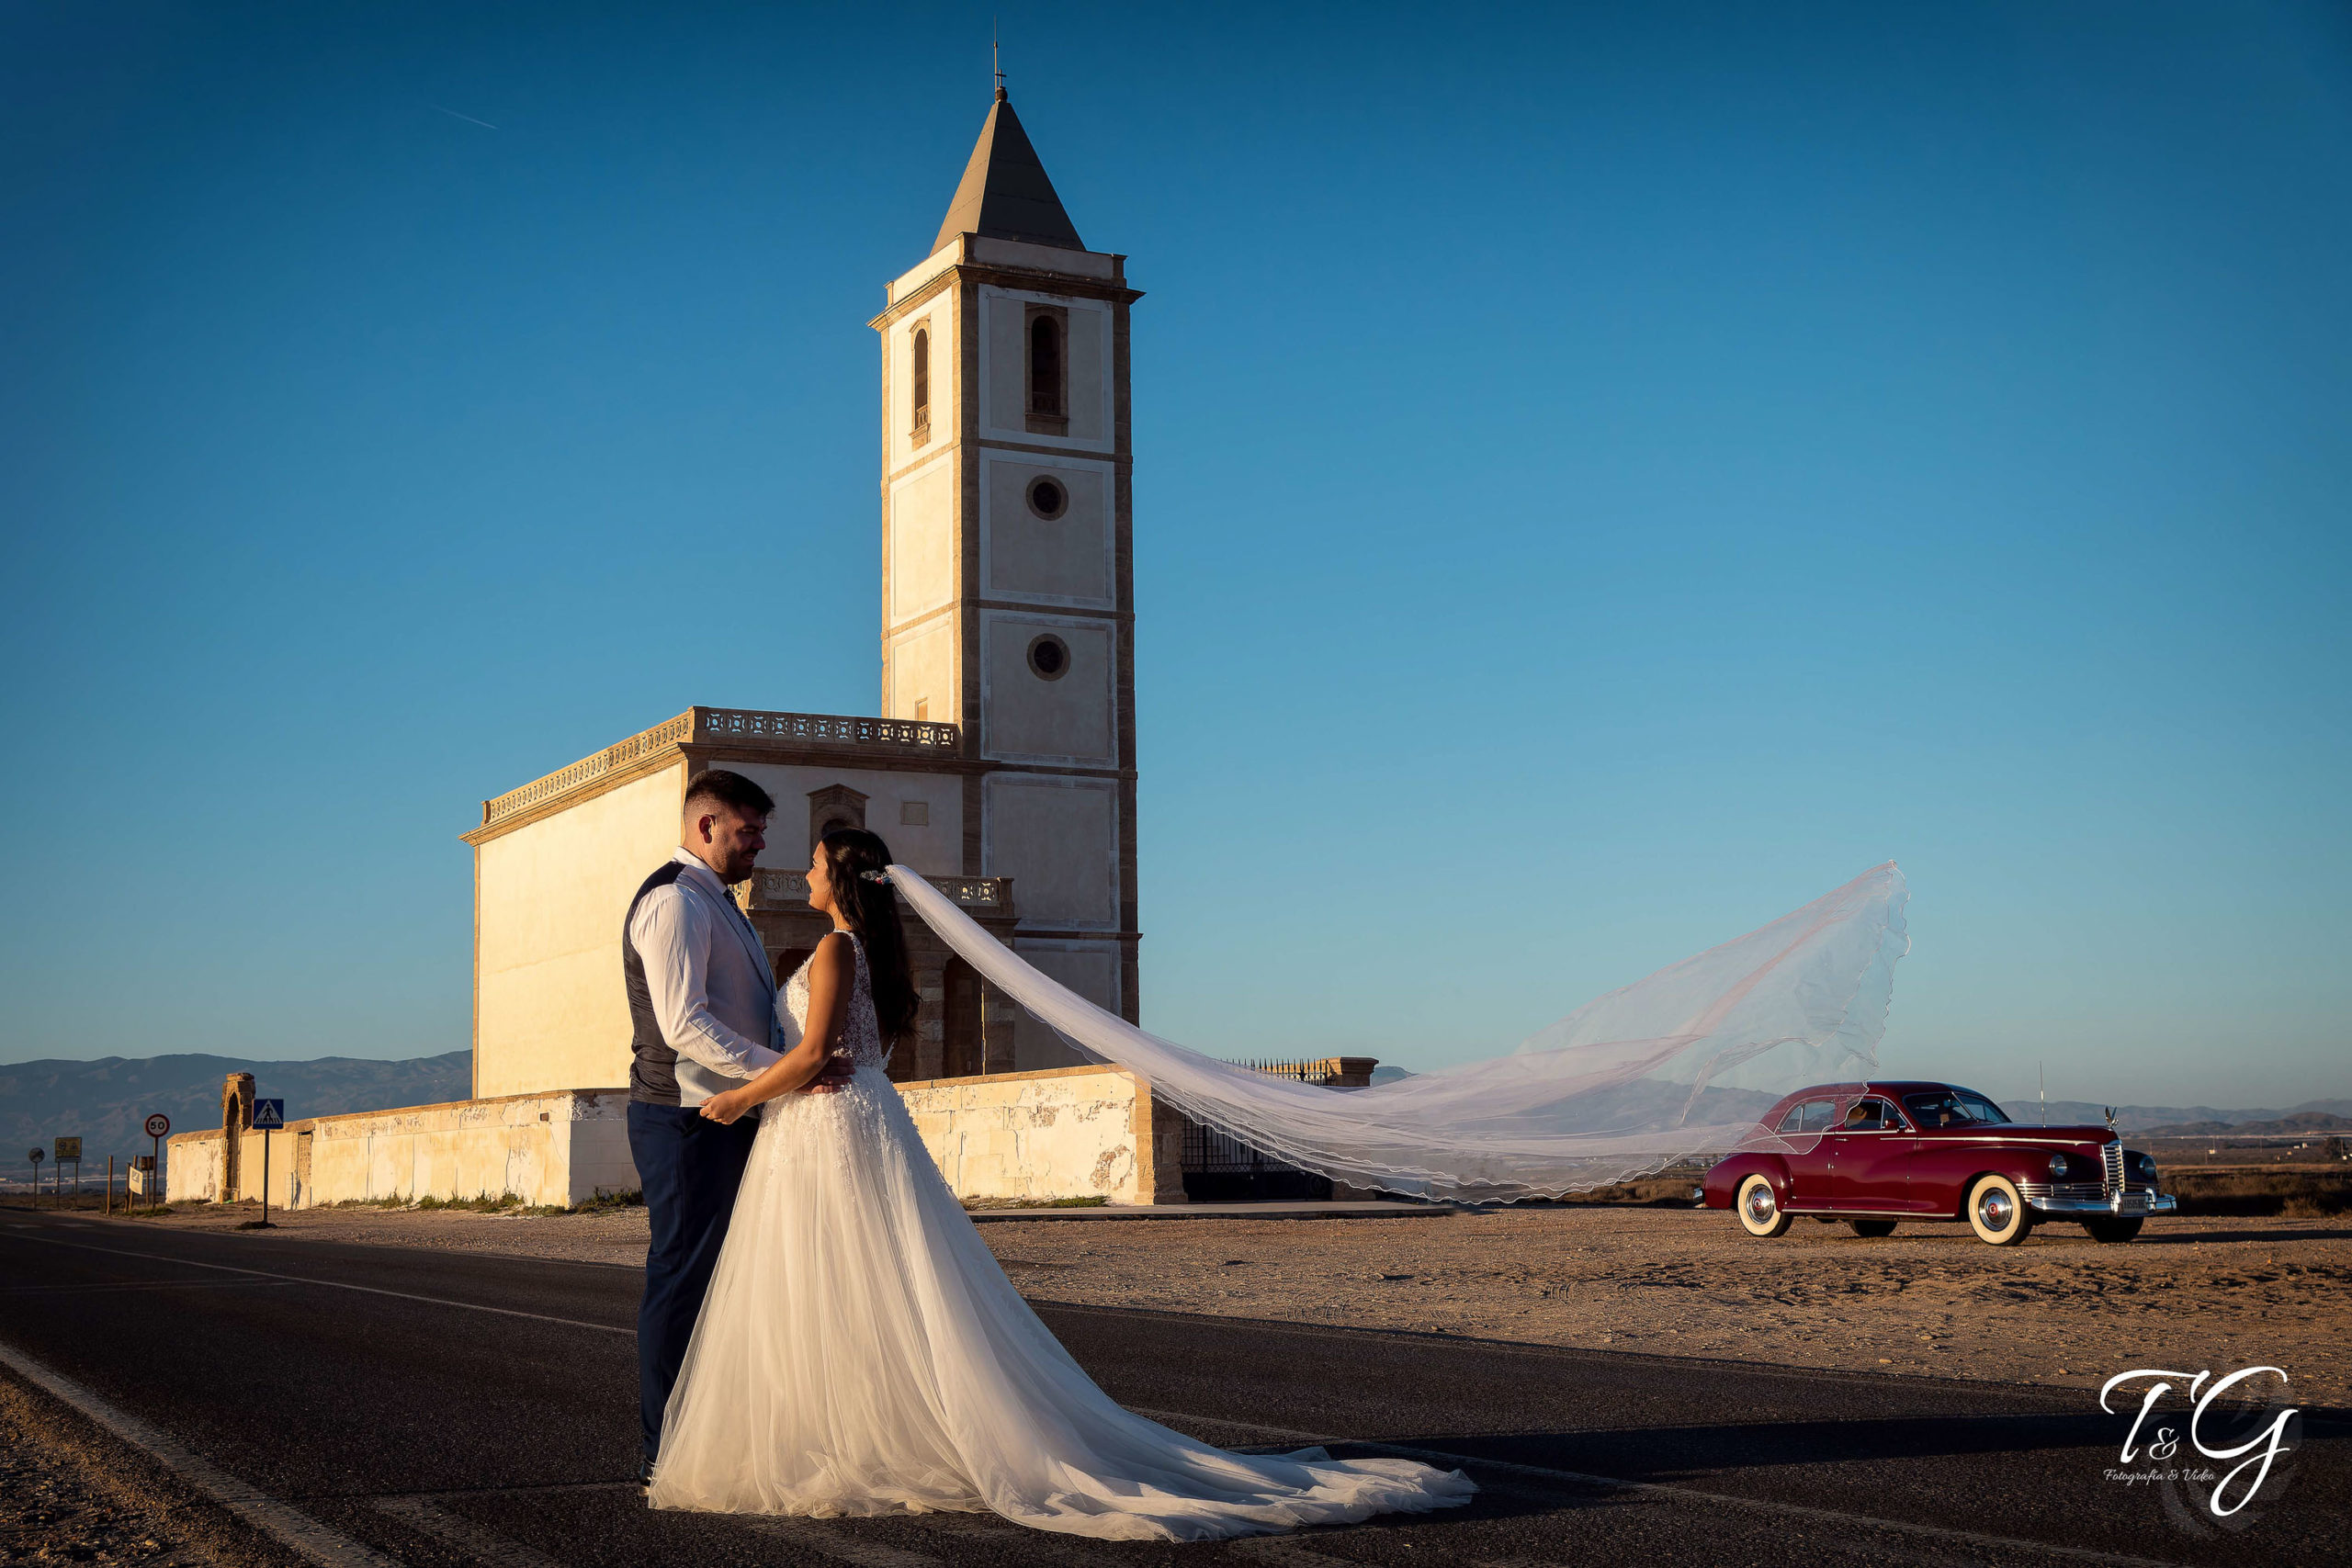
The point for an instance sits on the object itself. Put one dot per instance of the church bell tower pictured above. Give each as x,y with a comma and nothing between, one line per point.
1008,593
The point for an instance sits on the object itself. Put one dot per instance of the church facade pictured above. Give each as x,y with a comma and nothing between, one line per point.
1002,765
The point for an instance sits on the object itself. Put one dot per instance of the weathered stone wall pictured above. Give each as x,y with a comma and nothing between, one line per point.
1089,1131
192,1172
562,1147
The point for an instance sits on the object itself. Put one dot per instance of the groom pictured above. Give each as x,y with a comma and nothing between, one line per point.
702,1001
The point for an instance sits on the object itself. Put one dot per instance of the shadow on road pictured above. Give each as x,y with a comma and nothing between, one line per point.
1678,1453
2187,1238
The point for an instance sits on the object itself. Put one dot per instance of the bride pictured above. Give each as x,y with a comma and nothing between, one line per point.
861,1352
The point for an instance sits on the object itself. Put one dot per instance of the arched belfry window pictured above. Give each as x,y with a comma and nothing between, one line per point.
922,380
1048,369
1045,365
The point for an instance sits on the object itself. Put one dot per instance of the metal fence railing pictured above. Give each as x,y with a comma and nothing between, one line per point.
1221,1168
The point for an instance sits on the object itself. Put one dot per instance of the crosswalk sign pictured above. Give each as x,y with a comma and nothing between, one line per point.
268,1113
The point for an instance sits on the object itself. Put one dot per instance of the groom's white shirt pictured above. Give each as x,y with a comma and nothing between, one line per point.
713,992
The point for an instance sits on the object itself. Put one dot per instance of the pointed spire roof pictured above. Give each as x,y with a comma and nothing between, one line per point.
1005,194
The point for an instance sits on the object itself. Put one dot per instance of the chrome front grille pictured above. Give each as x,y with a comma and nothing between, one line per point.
2112,1156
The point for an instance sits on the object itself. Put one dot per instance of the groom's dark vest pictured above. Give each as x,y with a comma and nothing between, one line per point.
654,1074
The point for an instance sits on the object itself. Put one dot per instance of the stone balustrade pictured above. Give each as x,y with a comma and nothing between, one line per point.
848,734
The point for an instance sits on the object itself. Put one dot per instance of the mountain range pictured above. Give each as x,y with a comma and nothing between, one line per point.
106,1102
2184,1119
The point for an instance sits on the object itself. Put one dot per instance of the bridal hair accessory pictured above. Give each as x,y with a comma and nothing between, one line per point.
874,876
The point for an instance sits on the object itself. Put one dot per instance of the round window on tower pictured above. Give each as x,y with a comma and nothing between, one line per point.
1048,657
1047,499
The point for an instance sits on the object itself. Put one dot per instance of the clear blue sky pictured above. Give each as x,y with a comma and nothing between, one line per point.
1605,475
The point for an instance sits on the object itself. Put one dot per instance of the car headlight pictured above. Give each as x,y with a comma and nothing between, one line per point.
2143,1166
2058,1165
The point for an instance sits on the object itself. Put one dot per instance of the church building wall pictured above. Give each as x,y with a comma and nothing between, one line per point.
933,845
1091,969
900,446
921,671
1069,557
1004,319
548,1010
1064,834
920,568
1068,718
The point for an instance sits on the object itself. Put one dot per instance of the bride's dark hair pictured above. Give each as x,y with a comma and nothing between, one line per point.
871,909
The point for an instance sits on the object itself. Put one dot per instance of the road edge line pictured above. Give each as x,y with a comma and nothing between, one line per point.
314,1541
482,1545
340,1285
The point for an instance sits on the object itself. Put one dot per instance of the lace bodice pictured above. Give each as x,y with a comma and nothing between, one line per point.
861,1035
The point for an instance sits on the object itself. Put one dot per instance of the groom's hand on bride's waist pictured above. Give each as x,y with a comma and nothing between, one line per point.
835,1077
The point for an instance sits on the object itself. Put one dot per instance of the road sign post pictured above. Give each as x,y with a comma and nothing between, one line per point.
36,1157
268,1115
157,1125
68,1148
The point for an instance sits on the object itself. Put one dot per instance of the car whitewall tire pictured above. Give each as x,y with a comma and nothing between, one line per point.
1759,1208
1997,1213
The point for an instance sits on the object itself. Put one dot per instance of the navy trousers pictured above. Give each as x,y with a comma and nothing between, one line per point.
690,1167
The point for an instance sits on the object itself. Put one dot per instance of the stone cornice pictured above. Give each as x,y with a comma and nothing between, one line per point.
701,731
1062,284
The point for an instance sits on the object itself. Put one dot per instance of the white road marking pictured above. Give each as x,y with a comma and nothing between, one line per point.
482,1545
337,1285
314,1542
138,1285
1678,1494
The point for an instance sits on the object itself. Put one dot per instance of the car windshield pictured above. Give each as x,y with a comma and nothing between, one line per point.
1953,1108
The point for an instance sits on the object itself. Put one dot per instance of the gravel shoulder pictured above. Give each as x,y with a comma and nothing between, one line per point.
71,1492
2190,1294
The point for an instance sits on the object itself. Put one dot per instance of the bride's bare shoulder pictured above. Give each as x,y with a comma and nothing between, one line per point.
833,960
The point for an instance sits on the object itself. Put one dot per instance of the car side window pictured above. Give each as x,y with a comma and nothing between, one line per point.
1812,1116
1936,1109
1871,1116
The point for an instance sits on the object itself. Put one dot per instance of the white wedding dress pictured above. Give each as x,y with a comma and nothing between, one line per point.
861,1352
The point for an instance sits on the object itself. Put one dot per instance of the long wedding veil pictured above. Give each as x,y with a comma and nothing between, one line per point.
1672,1066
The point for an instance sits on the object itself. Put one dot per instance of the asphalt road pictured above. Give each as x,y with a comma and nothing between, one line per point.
443,1408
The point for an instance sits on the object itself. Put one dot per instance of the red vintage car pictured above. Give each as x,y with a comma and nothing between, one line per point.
1874,1155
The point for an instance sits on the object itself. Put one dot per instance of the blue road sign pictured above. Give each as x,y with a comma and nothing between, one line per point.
268,1113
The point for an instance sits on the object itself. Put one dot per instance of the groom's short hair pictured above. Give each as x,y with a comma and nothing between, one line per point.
732,791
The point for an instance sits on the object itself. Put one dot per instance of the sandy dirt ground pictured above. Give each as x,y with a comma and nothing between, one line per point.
2190,1293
